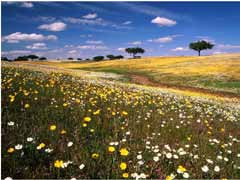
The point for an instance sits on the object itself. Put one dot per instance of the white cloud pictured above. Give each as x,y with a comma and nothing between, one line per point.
165,39
178,49
97,21
219,52
228,46
135,43
72,52
27,4
94,42
90,16
121,49
46,18
15,52
161,21
162,39
92,47
57,26
127,22
37,46
18,36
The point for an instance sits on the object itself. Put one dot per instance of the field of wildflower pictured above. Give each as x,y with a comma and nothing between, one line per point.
56,125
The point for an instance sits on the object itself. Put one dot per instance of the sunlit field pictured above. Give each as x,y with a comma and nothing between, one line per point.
215,73
56,125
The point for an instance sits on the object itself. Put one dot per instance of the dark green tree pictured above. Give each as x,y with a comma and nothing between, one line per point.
32,57
134,51
200,45
70,58
42,58
110,56
98,58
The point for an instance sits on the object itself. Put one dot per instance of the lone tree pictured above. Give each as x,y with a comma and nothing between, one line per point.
134,51
98,58
200,45
70,58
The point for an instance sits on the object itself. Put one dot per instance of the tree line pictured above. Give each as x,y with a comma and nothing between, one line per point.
133,51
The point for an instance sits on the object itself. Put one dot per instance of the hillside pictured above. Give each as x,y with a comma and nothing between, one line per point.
218,73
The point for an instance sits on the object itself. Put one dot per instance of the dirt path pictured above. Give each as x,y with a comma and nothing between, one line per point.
143,80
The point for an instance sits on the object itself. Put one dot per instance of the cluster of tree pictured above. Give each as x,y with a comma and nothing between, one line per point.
135,50
197,46
100,58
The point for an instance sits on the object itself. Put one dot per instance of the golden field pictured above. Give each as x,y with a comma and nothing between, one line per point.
215,73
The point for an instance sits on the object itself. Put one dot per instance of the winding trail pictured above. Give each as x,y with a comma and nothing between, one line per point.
143,80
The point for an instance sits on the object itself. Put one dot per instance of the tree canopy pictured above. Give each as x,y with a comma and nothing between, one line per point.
134,51
200,45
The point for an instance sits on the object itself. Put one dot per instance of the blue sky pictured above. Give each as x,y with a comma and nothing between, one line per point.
86,29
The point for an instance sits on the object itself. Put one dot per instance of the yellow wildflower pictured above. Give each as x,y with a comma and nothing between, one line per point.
96,112
95,155
124,152
53,127
181,169
170,177
65,104
125,175
113,113
40,146
125,113
26,106
10,150
87,119
123,166
84,124
111,149
58,163
63,132
92,130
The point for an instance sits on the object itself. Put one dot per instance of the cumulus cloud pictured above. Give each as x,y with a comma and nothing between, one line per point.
135,43
92,47
94,42
18,36
179,49
27,4
57,26
161,21
37,46
127,22
90,16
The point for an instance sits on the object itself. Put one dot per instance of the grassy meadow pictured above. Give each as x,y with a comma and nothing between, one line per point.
57,125
214,73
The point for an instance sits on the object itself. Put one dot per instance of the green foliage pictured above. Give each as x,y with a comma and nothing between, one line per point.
135,51
98,58
42,58
200,45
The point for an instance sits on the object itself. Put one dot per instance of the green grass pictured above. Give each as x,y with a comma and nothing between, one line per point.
146,122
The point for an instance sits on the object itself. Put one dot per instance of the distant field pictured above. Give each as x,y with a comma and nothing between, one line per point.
215,73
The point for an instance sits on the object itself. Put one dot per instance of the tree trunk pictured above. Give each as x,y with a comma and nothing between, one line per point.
199,54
